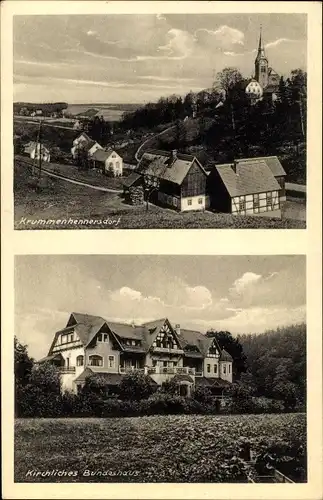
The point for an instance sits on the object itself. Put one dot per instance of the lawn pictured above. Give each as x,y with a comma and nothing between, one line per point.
185,448
63,200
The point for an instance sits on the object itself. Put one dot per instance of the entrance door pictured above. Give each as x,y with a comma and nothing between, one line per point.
183,390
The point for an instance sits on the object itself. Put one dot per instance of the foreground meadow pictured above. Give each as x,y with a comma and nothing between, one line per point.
167,448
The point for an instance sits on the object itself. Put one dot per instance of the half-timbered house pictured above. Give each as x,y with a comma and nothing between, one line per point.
90,345
178,180
245,187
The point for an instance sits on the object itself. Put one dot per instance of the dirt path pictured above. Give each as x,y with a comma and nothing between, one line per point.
74,181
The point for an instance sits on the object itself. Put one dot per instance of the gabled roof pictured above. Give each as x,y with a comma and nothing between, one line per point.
225,356
51,358
84,134
271,161
250,177
162,165
211,382
131,179
87,326
89,144
102,155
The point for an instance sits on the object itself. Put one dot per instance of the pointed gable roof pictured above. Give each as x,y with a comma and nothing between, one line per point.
225,356
272,163
162,165
250,176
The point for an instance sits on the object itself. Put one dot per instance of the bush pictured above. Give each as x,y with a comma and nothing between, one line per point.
163,403
135,386
203,395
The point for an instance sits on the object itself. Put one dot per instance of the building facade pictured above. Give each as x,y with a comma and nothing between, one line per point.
85,145
91,345
171,179
35,150
250,186
109,162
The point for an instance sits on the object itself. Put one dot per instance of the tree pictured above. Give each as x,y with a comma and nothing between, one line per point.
95,384
135,386
233,346
228,79
23,364
46,378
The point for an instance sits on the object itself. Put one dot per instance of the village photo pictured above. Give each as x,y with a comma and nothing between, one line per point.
160,121
153,369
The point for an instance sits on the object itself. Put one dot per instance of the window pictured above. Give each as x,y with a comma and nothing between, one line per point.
113,155
215,368
269,198
64,339
111,361
189,202
117,165
200,201
256,201
224,369
133,342
100,337
164,363
95,360
263,69
71,337
242,203
175,202
158,343
80,360
208,368
229,368
105,337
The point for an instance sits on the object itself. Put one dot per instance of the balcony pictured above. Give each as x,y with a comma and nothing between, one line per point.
167,350
130,369
171,370
67,369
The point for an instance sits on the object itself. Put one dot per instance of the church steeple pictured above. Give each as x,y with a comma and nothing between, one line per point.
261,64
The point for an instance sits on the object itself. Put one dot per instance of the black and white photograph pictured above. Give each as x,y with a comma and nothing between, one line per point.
160,369
160,121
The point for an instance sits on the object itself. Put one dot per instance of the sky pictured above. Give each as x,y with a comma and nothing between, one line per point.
241,294
138,58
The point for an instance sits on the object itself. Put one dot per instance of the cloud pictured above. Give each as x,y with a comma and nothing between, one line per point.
244,282
180,44
224,37
279,42
91,33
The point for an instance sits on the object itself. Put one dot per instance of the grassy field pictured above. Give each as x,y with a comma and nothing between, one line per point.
63,200
189,448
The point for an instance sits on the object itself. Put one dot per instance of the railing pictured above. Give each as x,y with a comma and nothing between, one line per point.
130,369
168,370
67,369
167,350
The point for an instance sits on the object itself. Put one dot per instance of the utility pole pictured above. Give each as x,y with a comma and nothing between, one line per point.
40,149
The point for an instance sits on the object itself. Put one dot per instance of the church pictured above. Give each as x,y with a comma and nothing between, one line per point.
265,83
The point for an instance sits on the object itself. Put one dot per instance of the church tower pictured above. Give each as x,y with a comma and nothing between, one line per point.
261,64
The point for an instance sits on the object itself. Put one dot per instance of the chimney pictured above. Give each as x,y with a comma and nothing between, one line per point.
174,154
234,167
178,329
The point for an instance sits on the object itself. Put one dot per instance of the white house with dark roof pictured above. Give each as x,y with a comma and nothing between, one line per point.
180,180
247,187
85,144
108,161
92,345
35,150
